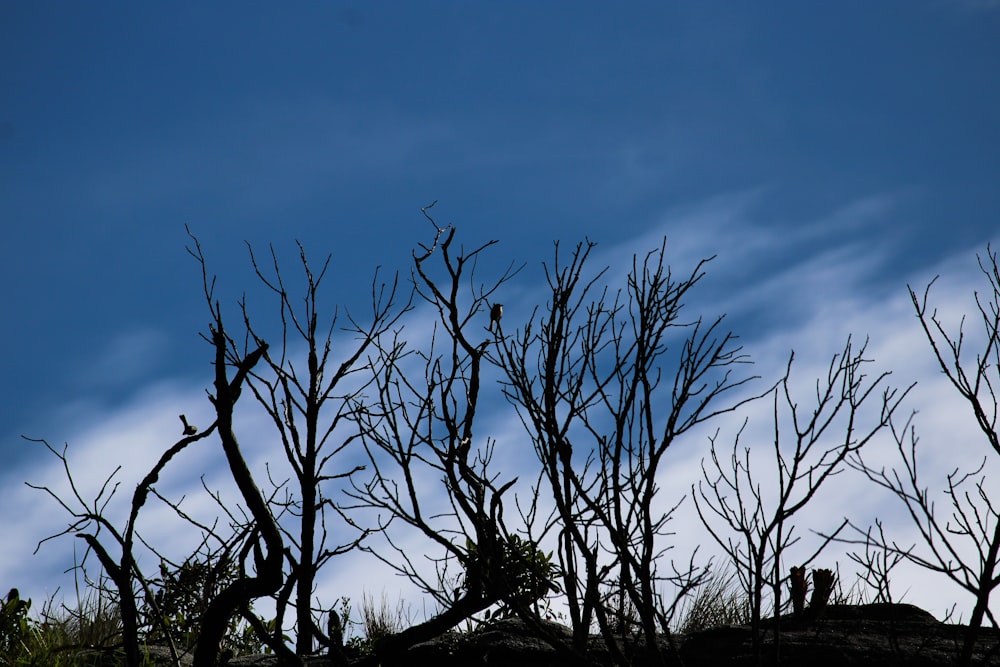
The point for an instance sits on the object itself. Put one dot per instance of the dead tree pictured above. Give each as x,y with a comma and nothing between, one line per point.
420,424
810,445
965,546
605,383
89,520
310,402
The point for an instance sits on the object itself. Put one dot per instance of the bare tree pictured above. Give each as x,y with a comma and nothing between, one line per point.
309,395
754,526
421,422
606,382
965,546
90,519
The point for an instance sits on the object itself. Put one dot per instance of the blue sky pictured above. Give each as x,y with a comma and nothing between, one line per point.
829,153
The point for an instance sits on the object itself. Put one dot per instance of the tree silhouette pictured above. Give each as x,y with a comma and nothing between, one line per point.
606,382
964,547
811,444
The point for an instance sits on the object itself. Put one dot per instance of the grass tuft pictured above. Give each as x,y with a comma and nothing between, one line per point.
718,601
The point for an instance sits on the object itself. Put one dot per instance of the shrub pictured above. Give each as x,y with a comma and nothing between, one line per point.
15,627
182,596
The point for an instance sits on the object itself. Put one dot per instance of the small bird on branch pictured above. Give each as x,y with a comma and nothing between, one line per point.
189,429
496,312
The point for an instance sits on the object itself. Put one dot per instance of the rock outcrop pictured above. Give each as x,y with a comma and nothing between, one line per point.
873,634
844,635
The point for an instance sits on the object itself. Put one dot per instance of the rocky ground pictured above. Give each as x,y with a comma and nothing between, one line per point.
876,634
